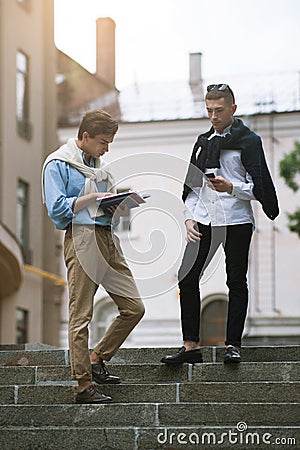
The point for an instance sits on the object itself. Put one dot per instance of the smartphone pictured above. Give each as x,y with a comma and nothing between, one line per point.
210,175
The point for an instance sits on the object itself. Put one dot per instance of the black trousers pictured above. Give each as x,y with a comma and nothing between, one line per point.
236,242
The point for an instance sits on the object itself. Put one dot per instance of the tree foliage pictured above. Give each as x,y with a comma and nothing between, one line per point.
289,169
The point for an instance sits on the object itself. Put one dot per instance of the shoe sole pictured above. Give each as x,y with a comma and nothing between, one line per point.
106,382
232,361
102,402
181,362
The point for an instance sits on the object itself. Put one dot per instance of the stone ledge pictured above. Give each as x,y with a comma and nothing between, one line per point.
150,438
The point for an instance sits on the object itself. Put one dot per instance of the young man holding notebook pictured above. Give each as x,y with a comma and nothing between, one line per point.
74,180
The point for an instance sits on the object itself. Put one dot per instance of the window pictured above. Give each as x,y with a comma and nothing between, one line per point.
22,95
23,218
213,322
21,326
124,225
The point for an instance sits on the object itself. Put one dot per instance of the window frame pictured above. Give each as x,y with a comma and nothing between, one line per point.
24,128
22,218
22,326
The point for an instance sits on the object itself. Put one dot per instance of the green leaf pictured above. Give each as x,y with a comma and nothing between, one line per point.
294,222
289,169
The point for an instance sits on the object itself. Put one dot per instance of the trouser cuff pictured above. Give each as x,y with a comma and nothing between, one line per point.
191,338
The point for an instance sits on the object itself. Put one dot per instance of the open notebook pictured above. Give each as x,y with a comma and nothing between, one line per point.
131,199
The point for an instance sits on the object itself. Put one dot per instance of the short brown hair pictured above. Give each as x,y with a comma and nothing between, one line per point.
97,122
216,91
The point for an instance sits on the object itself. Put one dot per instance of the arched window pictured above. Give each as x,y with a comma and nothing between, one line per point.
213,320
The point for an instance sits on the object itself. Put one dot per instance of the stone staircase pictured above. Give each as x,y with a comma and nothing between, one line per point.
255,404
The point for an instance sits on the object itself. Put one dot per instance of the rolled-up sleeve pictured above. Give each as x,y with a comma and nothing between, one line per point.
59,206
242,190
190,205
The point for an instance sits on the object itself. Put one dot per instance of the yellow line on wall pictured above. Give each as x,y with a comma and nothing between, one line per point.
59,281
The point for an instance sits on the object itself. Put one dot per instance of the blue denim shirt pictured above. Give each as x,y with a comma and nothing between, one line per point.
63,185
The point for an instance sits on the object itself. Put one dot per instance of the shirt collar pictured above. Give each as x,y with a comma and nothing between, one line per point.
92,161
225,131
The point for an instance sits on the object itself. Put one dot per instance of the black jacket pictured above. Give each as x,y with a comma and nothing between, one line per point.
252,157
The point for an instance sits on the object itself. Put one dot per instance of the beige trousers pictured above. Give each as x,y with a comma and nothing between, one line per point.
93,256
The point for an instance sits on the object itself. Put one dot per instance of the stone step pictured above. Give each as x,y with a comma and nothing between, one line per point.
264,354
211,354
152,407
247,371
151,415
157,372
34,357
147,355
150,438
133,373
248,392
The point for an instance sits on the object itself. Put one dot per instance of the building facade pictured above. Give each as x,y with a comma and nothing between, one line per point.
158,126
152,157
29,246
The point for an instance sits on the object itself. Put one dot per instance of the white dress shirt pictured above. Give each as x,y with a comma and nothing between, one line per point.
206,205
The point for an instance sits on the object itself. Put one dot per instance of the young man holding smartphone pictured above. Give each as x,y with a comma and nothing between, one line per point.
227,171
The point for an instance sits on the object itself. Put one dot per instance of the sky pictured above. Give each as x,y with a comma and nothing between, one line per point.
154,37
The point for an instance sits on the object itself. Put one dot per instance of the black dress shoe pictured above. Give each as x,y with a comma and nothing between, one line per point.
232,355
92,396
183,356
101,375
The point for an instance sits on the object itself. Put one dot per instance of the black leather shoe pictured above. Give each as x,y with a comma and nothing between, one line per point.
183,356
101,375
232,355
92,396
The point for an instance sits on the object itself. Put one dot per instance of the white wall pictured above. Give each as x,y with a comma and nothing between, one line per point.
152,157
